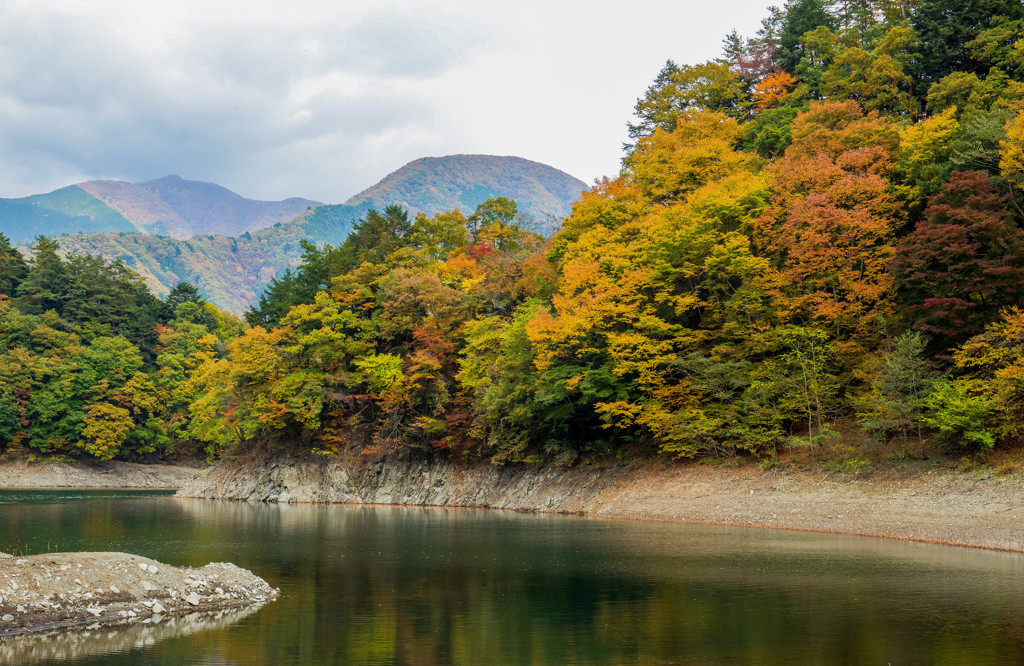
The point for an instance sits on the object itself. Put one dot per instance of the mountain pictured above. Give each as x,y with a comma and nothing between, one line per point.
168,206
232,271
434,184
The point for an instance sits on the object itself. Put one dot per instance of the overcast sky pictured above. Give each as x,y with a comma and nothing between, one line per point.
322,99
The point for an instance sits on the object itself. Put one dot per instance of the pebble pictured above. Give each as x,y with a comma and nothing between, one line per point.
158,608
8,618
114,589
147,586
151,569
193,599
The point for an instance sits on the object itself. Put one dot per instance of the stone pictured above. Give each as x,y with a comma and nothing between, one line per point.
114,589
8,618
151,569
193,599
158,608
95,611
147,586
142,565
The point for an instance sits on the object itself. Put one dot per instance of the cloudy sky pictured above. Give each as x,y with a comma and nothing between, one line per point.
322,99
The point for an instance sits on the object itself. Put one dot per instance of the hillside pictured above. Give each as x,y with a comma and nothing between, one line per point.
181,208
168,206
433,184
232,271
67,210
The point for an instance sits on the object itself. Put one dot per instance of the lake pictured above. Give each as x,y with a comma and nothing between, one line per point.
381,585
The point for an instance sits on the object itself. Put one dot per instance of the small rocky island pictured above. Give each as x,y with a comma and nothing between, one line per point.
58,590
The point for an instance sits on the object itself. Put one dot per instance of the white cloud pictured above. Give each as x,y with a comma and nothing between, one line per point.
322,99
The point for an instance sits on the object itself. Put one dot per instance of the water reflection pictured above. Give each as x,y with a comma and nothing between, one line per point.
80,643
374,585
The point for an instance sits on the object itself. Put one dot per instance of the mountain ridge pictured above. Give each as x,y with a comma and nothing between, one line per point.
231,271
170,206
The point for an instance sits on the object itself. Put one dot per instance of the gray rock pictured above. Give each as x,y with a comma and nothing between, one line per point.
193,599
7,618
158,608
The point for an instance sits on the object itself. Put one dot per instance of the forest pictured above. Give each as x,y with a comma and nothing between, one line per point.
816,238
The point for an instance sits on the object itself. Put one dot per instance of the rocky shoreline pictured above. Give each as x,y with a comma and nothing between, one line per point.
59,590
968,508
18,473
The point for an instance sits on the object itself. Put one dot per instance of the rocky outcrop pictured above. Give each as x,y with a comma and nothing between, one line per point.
935,505
57,590
404,480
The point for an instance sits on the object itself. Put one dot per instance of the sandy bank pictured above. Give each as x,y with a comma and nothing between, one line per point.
945,506
57,590
21,474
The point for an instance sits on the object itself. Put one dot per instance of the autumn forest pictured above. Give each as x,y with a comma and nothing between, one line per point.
816,238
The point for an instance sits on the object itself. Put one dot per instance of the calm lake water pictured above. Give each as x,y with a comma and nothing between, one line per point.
367,585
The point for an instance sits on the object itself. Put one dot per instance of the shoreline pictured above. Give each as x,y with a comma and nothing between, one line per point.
57,591
18,474
940,506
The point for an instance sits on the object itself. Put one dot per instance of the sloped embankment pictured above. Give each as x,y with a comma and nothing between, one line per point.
944,506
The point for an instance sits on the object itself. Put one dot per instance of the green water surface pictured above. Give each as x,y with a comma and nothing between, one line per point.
368,585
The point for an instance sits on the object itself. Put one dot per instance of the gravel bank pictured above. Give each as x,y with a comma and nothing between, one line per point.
945,506
58,590
21,474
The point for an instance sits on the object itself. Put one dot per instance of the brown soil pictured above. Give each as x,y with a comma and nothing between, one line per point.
58,590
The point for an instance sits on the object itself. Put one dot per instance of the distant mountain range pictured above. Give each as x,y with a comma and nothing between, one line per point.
168,206
167,229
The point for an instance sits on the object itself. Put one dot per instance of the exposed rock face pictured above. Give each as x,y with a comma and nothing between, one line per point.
945,506
56,590
406,481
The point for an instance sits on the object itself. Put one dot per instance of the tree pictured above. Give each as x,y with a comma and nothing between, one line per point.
830,228
183,292
900,390
13,268
801,17
666,166
43,287
1011,150
993,363
680,90
948,27
963,262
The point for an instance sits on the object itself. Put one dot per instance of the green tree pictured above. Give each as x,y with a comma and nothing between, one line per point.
679,90
948,27
13,268
43,287
900,390
801,17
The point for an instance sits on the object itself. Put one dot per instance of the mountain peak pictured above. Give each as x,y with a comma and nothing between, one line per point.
435,184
